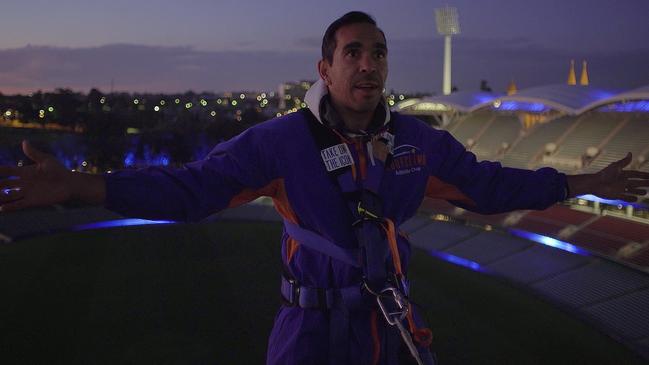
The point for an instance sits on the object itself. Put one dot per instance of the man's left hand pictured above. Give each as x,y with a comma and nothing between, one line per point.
612,182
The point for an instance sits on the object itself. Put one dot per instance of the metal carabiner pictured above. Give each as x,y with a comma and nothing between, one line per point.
401,309
395,317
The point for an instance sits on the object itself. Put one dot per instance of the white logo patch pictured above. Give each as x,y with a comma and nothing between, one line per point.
336,157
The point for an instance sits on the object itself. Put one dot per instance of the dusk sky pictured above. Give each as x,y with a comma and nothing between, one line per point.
174,46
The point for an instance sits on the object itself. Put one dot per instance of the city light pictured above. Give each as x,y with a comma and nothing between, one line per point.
50,109
156,108
203,102
219,101
177,101
242,96
102,100
136,101
234,102
162,102
263,95
213,113
188,105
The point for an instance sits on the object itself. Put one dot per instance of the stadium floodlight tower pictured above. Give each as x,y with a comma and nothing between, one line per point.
447,25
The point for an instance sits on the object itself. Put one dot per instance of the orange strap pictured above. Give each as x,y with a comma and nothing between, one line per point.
422,336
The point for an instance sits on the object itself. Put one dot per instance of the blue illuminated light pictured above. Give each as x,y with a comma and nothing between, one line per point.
510,105
482,99
118,223
129,160
594,198
164,160
457,260
549,241
627,107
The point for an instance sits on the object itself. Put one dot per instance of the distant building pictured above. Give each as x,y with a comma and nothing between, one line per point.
291,94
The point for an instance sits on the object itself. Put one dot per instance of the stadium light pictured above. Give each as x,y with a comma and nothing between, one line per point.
448,25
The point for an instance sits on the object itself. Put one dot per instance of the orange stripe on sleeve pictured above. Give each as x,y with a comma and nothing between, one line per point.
276,190
437,189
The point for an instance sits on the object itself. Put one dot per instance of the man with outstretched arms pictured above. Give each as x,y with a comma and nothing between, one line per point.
343,174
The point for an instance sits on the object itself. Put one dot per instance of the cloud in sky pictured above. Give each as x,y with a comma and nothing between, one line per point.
415,65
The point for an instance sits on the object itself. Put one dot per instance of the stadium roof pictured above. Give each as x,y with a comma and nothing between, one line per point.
463,101
641,93
565,98
569,99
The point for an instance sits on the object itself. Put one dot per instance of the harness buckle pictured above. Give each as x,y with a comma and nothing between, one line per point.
365,213
294,294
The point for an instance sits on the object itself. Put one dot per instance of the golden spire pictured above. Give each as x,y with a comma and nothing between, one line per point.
511,89
583,80
572,79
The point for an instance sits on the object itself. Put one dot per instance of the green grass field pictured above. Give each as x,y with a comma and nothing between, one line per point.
208,293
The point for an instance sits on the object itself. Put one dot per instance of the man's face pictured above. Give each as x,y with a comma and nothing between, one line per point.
360,66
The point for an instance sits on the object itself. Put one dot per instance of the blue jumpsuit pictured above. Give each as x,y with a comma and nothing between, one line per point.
280,159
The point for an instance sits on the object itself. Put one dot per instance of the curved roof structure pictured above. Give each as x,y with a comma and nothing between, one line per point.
568,99
641,93
565,98
464,101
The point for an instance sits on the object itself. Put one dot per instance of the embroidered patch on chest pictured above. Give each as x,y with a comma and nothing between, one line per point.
336,157
406,160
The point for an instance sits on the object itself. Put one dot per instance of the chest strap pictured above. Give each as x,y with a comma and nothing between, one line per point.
320,244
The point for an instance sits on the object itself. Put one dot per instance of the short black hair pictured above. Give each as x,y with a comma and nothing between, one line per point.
329,38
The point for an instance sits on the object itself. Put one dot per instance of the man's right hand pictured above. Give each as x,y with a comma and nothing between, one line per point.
46,182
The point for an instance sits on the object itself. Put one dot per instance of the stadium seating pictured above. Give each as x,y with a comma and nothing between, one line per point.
470,126
632,137
591,131
503,129
521,154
